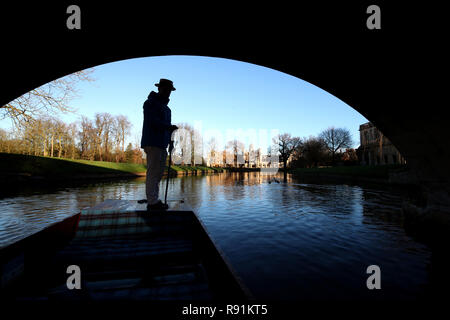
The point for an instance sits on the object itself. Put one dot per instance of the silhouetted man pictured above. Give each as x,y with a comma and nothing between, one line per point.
156,134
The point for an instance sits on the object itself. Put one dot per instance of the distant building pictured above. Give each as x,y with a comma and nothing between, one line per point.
247,159
375,148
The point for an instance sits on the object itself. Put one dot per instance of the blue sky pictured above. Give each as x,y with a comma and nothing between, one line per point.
219,94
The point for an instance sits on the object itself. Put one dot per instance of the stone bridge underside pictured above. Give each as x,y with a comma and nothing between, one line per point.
383,74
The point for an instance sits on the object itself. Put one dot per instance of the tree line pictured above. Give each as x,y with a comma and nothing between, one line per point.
101,138
331,146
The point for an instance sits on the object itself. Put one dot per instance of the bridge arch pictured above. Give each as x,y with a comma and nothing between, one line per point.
381,74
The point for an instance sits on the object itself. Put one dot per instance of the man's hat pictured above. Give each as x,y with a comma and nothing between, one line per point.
165,83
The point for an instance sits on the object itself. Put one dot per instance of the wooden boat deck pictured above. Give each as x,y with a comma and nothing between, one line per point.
127,253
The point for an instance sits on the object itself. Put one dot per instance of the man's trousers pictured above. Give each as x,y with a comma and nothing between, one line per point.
156,162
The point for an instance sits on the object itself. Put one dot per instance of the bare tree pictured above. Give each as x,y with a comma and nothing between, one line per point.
107,122
36,136
197,148
237,149
49,99
87,137
258,157
100,124
286,146
185,144
121,129
182,144
71,134
251,155
336,139
4,140
51,129
313,150
60,131
192,140
213,152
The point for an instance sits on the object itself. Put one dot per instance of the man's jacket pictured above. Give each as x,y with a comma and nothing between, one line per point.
157,121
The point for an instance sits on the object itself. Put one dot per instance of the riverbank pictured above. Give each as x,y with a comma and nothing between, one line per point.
383,174
18,168
244,169
426,223
193,170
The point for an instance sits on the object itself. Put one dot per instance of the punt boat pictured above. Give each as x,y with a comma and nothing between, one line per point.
122,252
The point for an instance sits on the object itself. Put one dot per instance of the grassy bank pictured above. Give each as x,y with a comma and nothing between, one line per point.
17,166
244,169
24,165
194,169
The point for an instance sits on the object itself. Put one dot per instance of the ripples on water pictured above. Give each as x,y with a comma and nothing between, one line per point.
286,241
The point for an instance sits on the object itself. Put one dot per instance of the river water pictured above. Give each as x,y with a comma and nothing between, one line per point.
287,241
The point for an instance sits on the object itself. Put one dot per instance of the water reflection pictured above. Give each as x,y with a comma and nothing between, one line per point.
291,240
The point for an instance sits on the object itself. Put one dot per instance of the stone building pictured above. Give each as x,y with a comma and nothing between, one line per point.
375,148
